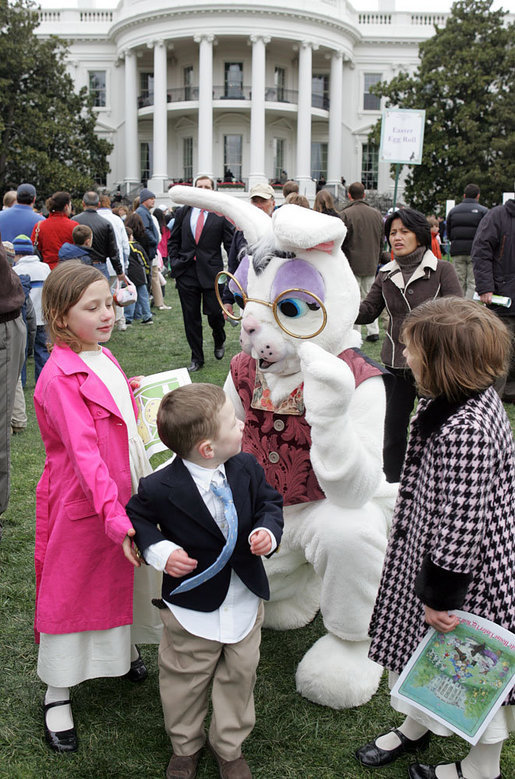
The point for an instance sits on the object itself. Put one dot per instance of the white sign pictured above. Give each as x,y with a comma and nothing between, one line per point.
402,136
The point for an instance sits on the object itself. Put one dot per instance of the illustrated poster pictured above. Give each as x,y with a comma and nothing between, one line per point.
148,397
461,678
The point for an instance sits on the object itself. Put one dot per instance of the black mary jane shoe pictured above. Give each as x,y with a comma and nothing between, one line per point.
374,757
138,670
421,771
62,740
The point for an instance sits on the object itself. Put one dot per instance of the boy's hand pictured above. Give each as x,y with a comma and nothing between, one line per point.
180,563
128,549
441,620
260,542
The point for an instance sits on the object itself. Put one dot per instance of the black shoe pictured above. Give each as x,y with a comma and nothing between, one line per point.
219,353
62,740
373,756
138,671
421,771
372,338
195,366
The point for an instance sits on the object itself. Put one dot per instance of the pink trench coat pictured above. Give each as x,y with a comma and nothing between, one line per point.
83,580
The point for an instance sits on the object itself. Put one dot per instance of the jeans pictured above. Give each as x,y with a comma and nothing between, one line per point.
141,308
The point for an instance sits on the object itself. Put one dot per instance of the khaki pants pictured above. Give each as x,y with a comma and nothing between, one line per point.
19,415
157,292
187,666
463,267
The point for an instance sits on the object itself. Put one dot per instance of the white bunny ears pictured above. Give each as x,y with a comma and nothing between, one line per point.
293,228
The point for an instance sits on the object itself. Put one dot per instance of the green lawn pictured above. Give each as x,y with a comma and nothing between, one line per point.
119,724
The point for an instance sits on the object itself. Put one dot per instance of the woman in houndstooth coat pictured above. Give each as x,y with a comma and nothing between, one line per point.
452,543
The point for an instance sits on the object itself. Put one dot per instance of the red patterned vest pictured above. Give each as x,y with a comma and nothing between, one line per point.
281,442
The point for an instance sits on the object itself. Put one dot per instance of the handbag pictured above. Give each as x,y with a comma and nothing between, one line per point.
124,293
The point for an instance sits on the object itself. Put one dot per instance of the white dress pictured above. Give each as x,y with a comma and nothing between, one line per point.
70,658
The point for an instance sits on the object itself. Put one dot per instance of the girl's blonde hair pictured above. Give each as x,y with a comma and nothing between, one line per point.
462,347
63,289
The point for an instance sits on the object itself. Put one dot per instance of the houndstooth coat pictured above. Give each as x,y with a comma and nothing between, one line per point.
452,543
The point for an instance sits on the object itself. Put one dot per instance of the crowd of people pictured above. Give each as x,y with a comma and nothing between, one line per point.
57,277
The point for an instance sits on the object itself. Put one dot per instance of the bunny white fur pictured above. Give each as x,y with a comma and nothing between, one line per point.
332,549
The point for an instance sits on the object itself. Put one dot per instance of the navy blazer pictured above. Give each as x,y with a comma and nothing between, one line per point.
206,256
169,498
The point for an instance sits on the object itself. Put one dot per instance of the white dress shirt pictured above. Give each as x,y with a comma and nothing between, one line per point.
236,616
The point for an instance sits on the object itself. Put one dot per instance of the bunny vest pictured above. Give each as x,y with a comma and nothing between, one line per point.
280,437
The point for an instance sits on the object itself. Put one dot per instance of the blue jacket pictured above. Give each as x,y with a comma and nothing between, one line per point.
150,229
69,251
18,220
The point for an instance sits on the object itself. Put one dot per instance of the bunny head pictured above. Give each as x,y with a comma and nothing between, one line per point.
295,284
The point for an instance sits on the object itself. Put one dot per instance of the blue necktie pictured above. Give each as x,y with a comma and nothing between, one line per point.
223,492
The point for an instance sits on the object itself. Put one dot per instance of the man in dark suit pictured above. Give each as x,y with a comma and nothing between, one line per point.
194,251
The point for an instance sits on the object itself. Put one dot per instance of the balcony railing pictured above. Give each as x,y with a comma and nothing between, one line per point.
272,95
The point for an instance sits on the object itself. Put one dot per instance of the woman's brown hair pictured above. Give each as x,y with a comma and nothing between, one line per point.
461,345
63,289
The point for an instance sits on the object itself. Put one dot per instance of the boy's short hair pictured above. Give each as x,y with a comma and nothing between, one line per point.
80,234
462,346
188,415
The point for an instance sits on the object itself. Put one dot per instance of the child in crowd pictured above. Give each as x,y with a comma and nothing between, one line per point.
138,271
82,236
28,263
434,226
452,543
94,458
204,521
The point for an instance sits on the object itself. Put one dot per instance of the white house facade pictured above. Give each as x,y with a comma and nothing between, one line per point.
253,90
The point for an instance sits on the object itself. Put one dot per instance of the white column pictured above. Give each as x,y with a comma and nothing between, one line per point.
257,111
334,154
306,184
205,104
132,157
159,171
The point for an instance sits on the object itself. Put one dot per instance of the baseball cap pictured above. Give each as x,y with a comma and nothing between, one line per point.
262,190
26,189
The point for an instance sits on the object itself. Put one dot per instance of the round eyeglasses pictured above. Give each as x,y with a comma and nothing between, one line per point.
298,312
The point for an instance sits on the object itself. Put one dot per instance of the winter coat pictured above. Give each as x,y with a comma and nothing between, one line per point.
104,244
452,543
70,251
55,230
153,237
493,255
139,268
363,244
462,223
432,279
83,580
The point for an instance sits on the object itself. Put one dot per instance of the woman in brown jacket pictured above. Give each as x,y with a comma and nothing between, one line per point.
412,277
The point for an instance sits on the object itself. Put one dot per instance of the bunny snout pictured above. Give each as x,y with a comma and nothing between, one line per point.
251,325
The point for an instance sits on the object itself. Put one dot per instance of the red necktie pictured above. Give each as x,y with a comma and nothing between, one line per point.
199,226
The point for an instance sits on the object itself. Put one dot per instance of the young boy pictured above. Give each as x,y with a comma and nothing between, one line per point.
217,515
138,272
78,250
27,262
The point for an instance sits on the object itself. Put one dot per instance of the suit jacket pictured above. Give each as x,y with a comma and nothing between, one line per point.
170,498
186,256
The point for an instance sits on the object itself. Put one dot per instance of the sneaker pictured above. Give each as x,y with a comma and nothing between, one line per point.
120,325
147,322
164,308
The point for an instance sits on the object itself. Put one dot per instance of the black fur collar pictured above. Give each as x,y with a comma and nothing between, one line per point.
436,414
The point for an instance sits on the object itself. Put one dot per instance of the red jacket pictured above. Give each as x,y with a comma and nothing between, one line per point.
53,232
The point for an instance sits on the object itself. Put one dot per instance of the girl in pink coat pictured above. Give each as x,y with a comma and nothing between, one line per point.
84,557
